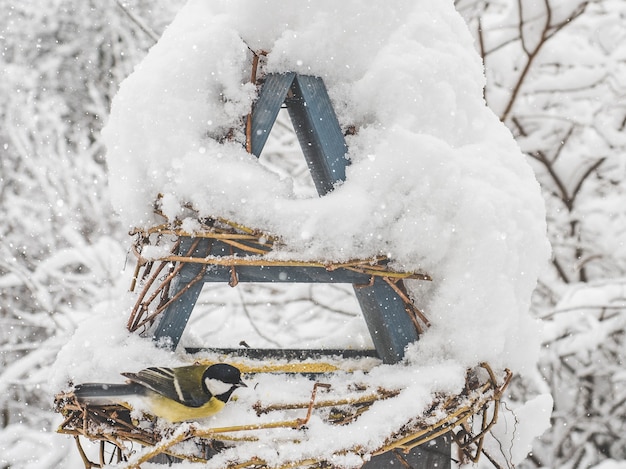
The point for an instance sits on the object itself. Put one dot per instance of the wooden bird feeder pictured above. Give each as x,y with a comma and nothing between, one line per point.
224,251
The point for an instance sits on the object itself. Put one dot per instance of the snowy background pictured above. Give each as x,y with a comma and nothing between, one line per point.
555,77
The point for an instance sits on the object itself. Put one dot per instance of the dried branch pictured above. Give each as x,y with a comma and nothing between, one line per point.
252,322
559,269
585,175
135,19
562,193
547,33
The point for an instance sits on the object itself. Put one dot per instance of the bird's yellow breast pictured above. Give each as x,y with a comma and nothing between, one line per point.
175,412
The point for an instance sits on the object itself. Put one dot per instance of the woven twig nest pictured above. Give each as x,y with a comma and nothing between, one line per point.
338,397
248,247
467,416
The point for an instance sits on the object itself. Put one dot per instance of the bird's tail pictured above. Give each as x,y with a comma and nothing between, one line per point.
107,394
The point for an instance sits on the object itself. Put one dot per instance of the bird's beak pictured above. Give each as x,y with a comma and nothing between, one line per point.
241,384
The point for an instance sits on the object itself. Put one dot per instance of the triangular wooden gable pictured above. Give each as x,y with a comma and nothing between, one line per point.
324,149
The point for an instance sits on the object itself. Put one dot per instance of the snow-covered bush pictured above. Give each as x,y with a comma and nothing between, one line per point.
555,75
583,364
61,248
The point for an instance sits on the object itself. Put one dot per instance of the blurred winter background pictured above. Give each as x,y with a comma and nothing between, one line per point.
556,76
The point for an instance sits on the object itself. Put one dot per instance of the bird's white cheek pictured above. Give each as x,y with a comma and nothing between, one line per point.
217,387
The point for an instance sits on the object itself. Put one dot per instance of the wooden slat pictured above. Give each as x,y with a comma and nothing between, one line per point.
318,132
275,274
266,108
285,353
387,320
173,320
324,148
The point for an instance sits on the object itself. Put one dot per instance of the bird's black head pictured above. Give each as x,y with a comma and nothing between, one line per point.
221,380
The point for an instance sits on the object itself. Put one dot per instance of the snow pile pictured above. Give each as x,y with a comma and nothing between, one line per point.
436,182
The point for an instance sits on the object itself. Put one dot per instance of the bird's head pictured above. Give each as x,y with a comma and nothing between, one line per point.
221,380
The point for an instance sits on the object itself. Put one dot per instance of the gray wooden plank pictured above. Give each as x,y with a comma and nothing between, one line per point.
280,274
387,320
324,147
318,131
266,108
285,353
173,320
434,454
276,274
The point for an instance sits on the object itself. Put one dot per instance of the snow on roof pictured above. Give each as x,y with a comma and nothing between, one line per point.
436,181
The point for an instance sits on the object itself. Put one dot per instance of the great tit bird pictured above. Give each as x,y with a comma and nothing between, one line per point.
175,394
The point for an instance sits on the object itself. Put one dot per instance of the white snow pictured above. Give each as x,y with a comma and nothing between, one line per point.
436,182
36,448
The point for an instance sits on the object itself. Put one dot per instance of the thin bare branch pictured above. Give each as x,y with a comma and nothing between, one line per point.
246,311
559,269
520,26
562,193
585,175
135,19
547,33
564,141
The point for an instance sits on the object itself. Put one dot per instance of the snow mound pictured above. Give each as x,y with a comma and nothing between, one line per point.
436,182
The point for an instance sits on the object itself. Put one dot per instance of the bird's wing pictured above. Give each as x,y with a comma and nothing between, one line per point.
185,388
